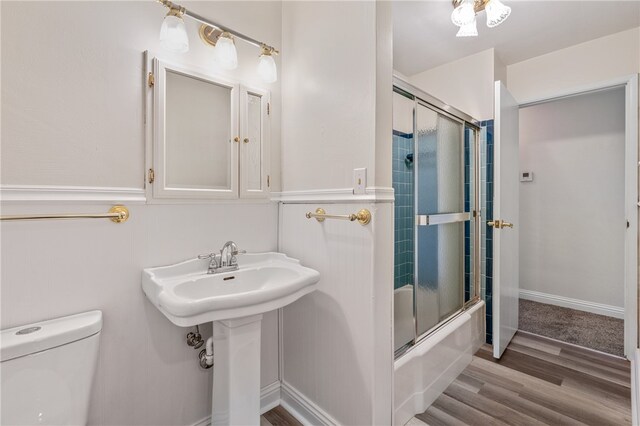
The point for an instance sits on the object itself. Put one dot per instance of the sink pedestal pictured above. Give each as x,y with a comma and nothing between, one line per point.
236,371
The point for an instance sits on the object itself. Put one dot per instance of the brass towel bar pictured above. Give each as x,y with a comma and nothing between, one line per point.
117,214
363,216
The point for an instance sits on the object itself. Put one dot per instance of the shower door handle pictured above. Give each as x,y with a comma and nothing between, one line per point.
440,219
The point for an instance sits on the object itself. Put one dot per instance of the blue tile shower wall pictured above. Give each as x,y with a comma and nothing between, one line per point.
403,226
487,163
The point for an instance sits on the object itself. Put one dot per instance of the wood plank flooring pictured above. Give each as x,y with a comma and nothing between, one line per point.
278,417
538,381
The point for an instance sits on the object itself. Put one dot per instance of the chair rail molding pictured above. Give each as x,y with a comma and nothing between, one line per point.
374,194
17,194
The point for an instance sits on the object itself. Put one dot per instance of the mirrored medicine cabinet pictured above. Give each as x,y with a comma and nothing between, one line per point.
210,136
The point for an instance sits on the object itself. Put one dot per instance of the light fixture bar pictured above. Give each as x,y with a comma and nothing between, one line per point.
221,27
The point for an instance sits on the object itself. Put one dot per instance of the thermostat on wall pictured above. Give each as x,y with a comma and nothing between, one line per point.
526,177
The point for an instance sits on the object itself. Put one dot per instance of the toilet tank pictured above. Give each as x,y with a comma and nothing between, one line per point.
46,370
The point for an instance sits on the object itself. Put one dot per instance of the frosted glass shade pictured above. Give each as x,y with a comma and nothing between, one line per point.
468,30
497,13
173,34
225,52
267,69
463,14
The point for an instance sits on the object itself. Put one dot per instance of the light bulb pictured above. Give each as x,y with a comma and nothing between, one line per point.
267,69
225,52
463,14
173,33
497,13
468,30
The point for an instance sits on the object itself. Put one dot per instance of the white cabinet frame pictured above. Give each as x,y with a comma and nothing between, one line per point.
156,188
160,188
265,131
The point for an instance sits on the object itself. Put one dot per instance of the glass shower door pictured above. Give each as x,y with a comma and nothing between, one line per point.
404,222
441,214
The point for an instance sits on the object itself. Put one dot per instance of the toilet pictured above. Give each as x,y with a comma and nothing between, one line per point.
47,370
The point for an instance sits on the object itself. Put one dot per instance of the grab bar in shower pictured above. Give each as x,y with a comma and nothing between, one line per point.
117,214
439,219
363,216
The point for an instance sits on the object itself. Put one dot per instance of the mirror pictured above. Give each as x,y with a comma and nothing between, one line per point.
198,137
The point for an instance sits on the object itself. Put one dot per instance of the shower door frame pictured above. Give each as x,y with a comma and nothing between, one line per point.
422,98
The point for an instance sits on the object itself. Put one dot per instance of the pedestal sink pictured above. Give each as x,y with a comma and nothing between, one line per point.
234,302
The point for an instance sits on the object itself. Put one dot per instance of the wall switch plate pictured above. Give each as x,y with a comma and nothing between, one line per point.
359,181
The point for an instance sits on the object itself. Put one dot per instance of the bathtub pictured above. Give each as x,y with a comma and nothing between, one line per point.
424,372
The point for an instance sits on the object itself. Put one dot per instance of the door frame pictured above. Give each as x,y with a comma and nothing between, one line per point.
630,83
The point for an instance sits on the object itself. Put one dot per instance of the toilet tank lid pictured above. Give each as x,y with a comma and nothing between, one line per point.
28,339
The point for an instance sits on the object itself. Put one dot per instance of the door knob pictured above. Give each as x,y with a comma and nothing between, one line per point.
499,224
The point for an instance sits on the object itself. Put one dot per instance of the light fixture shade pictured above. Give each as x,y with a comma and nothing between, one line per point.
496,13
463,14
267,69
173,33
225,52
468,30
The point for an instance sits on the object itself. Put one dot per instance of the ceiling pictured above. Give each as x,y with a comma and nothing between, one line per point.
424,37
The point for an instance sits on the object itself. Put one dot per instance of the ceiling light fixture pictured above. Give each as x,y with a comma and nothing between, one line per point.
468,30
465,11
173,36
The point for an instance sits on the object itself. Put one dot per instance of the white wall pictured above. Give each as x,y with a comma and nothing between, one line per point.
584,64
333,337
337,112
466,84
73,100
72,114
572,215
328,94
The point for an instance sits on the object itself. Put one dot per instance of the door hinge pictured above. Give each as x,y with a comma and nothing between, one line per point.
268,108
151,80
152,176
268,181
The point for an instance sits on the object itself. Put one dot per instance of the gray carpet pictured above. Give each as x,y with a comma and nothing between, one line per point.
593,331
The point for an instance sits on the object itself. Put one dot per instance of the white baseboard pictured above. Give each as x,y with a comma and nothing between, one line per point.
70,194
567,302
341,195
302,409
269,399
635,382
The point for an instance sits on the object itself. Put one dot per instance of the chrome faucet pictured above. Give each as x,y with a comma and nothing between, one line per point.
225,261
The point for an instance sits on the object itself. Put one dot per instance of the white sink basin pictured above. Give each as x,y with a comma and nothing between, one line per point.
188,296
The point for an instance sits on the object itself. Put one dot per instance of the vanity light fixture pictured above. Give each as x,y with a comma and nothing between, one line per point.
173,36
173,33
465,11
267,69
225,51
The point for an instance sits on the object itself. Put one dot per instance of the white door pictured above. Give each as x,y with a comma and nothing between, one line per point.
505,224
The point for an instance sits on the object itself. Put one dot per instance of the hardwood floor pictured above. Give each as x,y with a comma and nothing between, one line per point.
538,381
278,417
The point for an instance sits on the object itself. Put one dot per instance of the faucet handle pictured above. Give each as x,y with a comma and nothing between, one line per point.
206,256
237,252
